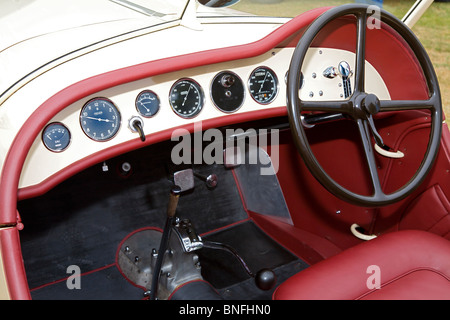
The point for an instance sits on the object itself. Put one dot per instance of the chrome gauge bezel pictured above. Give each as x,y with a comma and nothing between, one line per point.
238,81
201,98
55,148
147,113
277,86
104,135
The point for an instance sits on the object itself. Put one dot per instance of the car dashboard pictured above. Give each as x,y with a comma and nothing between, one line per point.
143,108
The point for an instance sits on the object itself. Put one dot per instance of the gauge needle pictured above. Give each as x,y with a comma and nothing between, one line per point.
185,97
262,83
98,119
148,110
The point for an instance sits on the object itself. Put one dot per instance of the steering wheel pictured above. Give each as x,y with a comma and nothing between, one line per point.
361,106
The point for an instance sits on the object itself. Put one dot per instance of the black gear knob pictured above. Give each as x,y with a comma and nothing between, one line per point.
265,279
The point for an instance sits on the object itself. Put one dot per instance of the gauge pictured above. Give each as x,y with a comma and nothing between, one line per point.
186,98
56,137
263,85
227,91
100,119
147,103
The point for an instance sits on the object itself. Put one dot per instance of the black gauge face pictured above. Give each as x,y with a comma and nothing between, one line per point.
147,103
56,137
100,119
186,98
263,85
227,91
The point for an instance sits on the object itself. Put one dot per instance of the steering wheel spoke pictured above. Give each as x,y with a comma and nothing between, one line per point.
402,105
365,133
361,27
335,106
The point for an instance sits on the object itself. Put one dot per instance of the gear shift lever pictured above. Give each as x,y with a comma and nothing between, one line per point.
265,279
171,209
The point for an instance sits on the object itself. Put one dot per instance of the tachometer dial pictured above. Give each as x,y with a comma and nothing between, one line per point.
186,98
56,137
147,103
263,85
100,119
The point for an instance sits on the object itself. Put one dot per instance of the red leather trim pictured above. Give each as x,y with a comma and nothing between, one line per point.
309,246
437,220
398,255
13,264
419,284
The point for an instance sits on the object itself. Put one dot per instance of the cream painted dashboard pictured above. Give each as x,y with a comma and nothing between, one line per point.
42,163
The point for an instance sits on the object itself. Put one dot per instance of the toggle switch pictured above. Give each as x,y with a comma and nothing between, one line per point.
137,125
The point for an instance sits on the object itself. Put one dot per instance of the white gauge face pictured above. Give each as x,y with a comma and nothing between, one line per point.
186,98
100,119
263,85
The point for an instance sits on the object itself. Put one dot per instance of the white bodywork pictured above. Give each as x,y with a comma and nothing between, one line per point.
416,11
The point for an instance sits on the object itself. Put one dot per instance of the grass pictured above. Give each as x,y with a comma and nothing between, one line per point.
433,29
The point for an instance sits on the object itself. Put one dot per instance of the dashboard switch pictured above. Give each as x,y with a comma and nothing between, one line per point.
136,125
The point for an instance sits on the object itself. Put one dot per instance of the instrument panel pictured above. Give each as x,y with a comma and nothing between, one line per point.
172,100
100,118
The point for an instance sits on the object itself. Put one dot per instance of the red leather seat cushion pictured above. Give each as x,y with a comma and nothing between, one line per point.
411,265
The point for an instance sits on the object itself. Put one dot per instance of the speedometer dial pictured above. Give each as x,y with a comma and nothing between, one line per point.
100,119
263,85
186,98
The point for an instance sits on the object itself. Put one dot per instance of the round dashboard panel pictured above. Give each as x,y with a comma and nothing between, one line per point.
227,91
147,103
263,85
186,98
100,119
56,137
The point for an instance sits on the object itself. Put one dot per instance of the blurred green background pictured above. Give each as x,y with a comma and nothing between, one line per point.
433,29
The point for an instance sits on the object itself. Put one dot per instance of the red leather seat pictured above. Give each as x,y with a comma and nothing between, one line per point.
403,265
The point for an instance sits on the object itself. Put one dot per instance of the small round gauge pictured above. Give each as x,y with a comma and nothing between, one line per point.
186,98
147,103
100,119
263,85
227,91
56,137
